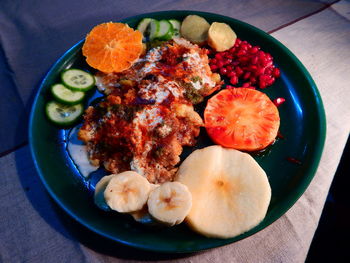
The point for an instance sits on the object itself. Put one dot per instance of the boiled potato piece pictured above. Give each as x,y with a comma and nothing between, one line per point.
221,37
195,29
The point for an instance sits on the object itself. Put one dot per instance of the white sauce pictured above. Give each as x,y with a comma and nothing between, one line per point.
78,153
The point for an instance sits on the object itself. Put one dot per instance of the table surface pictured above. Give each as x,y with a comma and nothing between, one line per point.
34,34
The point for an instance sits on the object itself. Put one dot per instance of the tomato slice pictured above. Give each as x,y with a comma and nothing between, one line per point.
243,119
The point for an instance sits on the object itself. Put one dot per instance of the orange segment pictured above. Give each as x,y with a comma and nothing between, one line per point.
243,119
112,47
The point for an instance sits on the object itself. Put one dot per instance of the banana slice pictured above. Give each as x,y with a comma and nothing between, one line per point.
127,192
142,216
100,187
170,203
230,191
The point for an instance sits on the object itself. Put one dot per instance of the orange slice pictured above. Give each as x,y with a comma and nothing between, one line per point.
243,119
112,47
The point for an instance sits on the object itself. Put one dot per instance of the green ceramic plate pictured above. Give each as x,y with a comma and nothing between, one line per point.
302,124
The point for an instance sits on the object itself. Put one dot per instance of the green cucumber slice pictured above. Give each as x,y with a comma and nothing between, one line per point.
65,95
62,114
166,30
176,25
77,79
153,29
143,25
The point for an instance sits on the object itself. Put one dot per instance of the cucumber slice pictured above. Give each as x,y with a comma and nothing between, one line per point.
166,30
62,114
65,95
176,25
153,29
143,25
77,79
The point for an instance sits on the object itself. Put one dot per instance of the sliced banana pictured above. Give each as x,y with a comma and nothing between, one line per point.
170,203
100,187
127,192
230,191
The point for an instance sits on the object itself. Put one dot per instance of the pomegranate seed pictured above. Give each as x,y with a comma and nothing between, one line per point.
218,56
238,41
279,101
268,56
244,59
213,67
229,68
276,72
231,74
253,68
268,71
223,71
235,63
239,71
234,80
213,61
270,80
241,53
232,50
229,56
253,50
227,61
252,79
246,75
220,64
254,60
246,85
259,71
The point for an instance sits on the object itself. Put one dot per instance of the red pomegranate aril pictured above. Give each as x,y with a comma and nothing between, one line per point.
253,68
268,71
227,61
254,60
259,71
229,68
241,53
218,56
235,63
276,73
246,84
213,61
253,50
239,71
213,67
279,101
270,80
234,80
252,79
223,71
246,75
238,42
220,64
244,59
231,74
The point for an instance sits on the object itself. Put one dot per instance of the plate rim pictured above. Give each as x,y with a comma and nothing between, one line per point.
291,201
